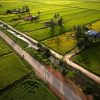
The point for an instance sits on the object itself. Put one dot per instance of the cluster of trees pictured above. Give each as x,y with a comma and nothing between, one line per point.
44,50
38,56
18,10
57,20
64,69
84,40
46,53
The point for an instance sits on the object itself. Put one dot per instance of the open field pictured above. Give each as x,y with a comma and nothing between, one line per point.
11,69
65,42
90,59
28,89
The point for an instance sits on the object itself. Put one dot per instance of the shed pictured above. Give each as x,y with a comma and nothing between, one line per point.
91,33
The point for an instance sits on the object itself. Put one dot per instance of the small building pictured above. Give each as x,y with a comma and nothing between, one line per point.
28,18
31,17
91,33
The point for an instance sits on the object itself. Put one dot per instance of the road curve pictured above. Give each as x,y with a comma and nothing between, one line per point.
80,68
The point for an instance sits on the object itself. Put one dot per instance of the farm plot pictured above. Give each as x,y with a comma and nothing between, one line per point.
90,59
62,43
95,26
28,89
4,49
11,67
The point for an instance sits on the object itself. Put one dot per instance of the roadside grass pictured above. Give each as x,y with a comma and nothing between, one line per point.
11,69
20,42
4,49
90,59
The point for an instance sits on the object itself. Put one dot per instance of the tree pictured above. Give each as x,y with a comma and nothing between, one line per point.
8,12
27,9
83,40
60,21
39,45
39,12
80,43
55,16
47,52
52,23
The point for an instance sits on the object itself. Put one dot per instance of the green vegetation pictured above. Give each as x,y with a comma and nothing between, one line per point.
95,26
62,43
70,11
70,74
73,12
11,69
4,49
90,59
41,57
29,88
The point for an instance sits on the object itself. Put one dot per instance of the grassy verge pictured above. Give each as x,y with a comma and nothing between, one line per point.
4,49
